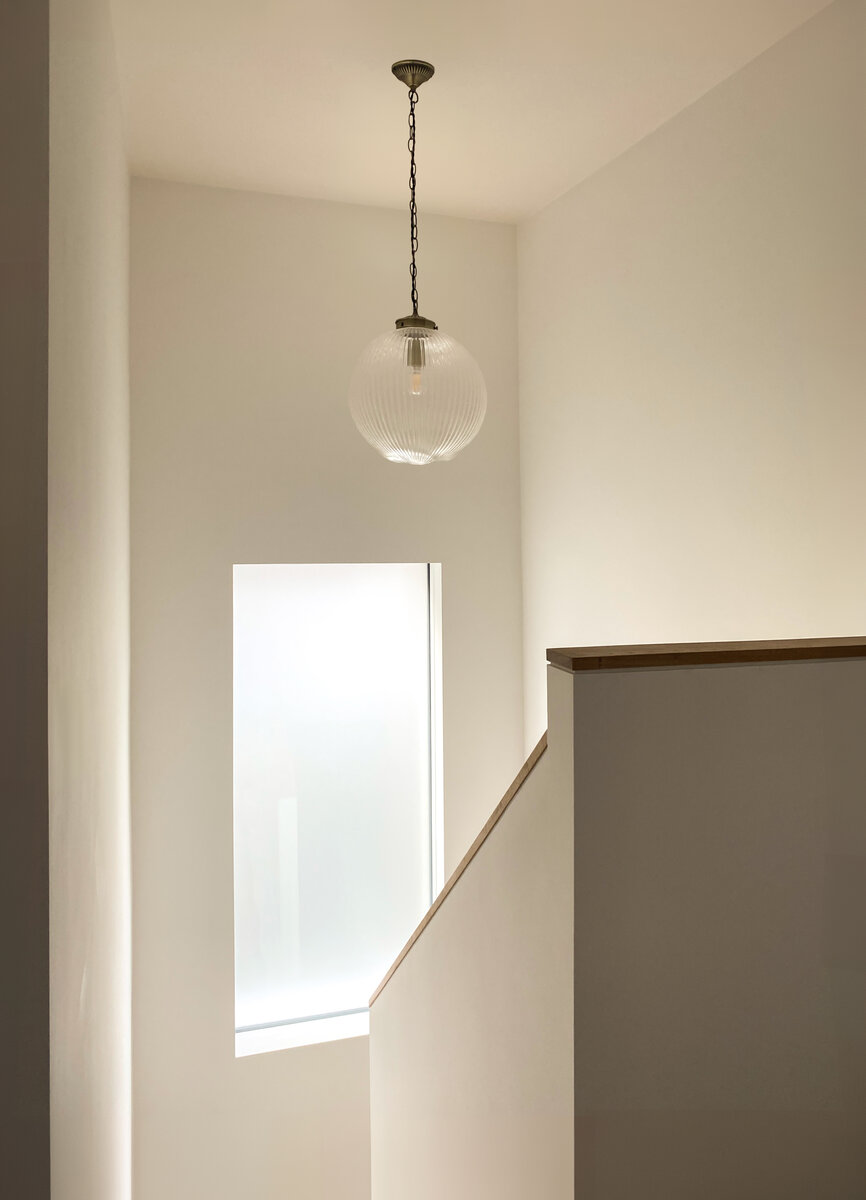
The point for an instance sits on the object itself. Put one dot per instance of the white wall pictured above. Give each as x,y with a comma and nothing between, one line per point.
247,314
88,614
471,1039
691,370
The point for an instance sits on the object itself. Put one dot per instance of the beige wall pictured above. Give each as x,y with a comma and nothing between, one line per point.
248,312
24,1100
88,610
691,370
719,951
472,1087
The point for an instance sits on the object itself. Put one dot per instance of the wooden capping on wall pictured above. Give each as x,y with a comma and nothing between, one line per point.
693,654
467,858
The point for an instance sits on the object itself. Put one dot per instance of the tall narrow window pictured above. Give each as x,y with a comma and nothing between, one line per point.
336,796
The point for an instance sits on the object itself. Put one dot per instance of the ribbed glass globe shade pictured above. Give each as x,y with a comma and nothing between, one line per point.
417,396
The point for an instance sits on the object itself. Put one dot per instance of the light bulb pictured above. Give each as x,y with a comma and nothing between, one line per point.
415,383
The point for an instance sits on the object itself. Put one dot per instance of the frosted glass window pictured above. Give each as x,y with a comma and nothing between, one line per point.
335,788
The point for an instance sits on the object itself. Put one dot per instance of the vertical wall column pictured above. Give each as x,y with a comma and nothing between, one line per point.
88,613
24,1099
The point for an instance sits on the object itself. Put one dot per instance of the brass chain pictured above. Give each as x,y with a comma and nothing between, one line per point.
413,209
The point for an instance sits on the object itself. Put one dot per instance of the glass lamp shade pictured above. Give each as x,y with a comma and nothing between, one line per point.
417,396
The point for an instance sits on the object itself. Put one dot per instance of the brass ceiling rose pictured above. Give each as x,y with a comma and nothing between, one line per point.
412,71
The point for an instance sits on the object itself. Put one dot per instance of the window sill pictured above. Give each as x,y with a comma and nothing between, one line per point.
302,1033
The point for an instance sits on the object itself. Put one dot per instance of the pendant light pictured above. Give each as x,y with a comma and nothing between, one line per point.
416,394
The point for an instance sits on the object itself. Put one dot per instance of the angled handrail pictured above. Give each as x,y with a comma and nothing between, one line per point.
519,779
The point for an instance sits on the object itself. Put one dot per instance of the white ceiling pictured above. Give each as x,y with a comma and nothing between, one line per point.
529,96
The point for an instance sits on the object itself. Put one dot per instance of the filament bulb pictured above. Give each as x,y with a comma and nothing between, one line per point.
415,359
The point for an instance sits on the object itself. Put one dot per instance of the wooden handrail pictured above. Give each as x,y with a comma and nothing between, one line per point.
467,858
601,658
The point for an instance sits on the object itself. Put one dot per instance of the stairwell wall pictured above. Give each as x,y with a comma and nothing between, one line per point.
472,1037
691,370
248,312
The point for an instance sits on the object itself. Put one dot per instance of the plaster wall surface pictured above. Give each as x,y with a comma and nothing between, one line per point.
719,950
248,312
88,614
691,370
471,1039
24,1086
